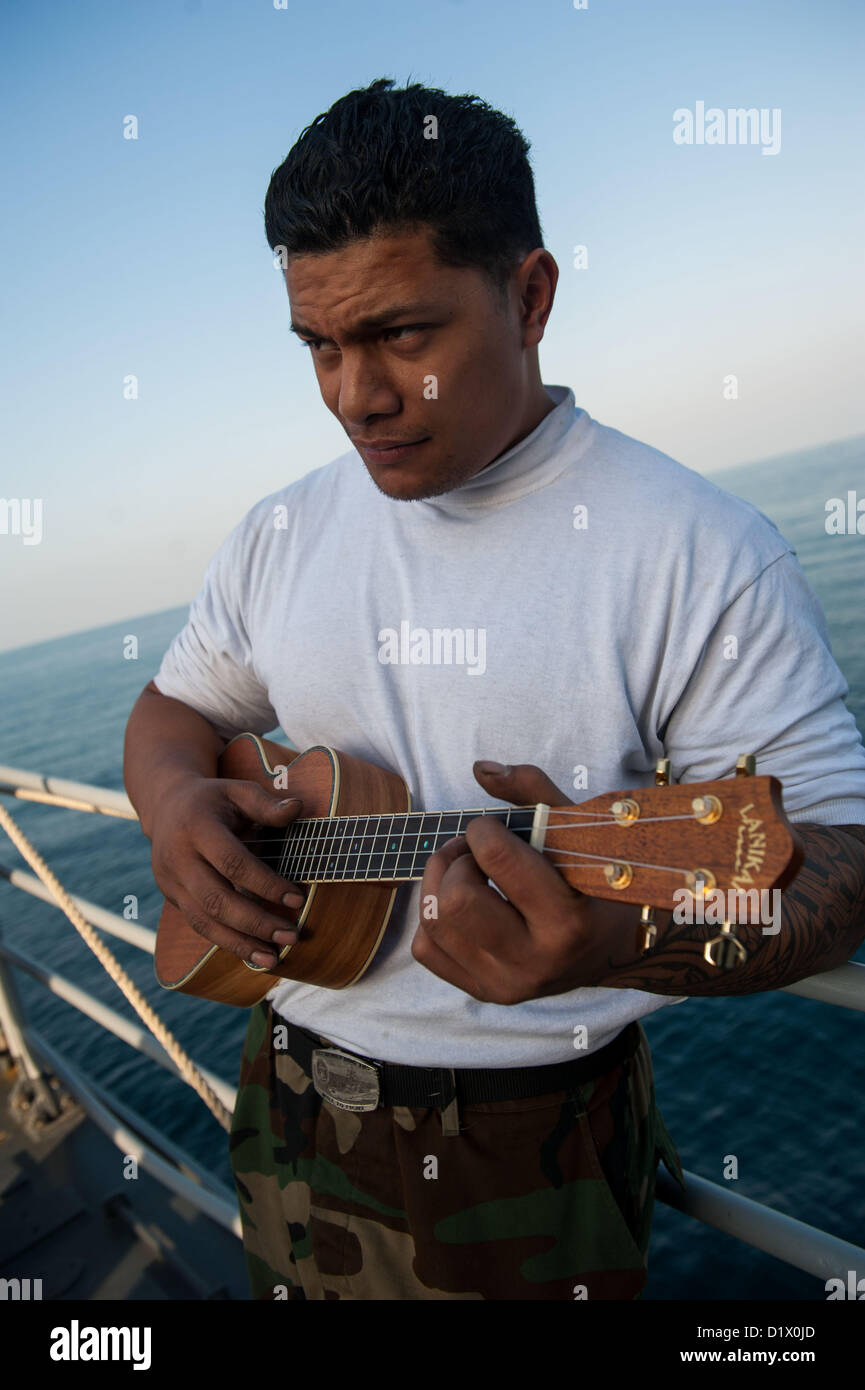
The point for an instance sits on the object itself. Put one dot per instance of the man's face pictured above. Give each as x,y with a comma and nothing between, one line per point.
407,350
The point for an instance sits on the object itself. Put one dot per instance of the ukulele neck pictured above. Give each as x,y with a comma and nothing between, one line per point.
388,848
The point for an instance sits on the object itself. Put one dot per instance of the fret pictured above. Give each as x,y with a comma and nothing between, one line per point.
344,846
332,838
286,866
391,847
364,868
332,848
408,846
448,827
372,868
307,845
363,856
368,843
298,858
341,848
281,857
305,850
311,847
316,860
376,848
437,837
355,848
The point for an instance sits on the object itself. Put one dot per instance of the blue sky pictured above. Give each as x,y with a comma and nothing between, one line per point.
148,257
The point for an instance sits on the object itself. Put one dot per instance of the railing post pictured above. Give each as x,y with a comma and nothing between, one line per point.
43,1103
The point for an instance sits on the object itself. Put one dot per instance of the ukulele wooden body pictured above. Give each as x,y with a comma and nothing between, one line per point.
341,924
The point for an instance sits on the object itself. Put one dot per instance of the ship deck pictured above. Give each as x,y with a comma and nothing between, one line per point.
70,1218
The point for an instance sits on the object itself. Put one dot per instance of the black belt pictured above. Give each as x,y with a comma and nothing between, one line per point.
439,1086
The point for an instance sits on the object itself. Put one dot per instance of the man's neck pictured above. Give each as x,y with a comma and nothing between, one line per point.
540,407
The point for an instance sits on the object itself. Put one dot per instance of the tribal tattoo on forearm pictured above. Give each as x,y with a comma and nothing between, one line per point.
822,925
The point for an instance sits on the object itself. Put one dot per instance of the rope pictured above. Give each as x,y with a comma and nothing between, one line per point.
185,1065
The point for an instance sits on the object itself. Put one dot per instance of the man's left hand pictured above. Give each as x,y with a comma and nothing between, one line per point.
548,938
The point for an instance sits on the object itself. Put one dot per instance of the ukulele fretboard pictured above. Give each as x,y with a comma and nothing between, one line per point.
389,848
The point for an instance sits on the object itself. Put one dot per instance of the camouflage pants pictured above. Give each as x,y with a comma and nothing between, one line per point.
545,1198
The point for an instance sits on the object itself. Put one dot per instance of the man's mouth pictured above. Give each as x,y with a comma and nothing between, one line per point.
389,450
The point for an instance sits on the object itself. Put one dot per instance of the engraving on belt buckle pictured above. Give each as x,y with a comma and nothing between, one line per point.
346,1081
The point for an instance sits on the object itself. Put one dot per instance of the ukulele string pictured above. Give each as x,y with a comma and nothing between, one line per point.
330,821
316,845
609,859
590,860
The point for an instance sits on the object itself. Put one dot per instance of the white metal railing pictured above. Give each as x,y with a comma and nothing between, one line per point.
127,1029
844,986
794,1242
142,937
55,791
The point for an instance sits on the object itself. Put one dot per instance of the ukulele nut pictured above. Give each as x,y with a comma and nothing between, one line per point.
625,811
707,809
700,881
618,875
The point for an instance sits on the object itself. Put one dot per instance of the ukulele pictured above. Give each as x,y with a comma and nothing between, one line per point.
359,839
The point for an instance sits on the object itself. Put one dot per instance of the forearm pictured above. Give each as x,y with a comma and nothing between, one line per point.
822,925
165,740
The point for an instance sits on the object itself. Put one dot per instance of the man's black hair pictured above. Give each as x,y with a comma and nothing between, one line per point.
365,165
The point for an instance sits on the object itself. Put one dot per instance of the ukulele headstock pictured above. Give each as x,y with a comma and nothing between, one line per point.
644,844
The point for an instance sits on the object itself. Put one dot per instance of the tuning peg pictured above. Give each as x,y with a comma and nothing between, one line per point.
746,765
647,932
662,772
725,950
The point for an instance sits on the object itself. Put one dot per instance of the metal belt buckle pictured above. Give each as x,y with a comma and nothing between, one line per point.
346,1081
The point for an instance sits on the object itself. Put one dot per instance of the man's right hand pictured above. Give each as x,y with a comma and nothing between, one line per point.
199,863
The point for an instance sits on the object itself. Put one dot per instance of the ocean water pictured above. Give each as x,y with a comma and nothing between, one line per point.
775,1080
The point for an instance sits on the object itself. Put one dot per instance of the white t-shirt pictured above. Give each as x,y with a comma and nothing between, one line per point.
595,638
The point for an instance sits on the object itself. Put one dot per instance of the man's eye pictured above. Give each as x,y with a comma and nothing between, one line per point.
314,344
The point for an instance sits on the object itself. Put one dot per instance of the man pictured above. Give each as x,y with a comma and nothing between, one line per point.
596,585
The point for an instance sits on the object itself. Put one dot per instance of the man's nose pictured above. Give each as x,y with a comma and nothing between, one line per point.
364,390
